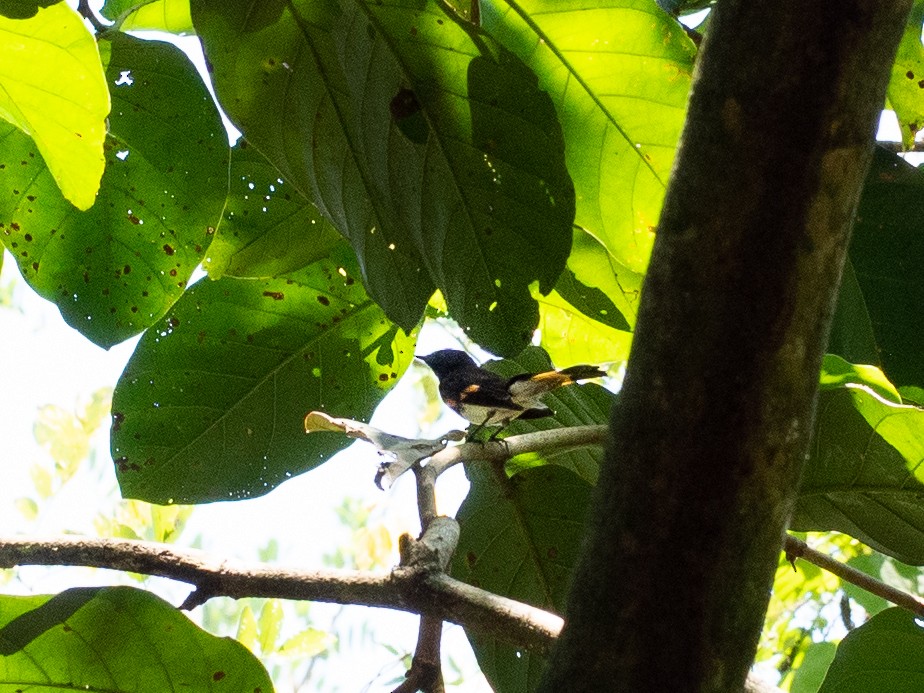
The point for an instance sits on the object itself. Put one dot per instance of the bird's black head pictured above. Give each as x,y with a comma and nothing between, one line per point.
445,361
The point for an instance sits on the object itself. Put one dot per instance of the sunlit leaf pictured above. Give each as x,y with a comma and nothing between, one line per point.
55,92
270,624
619,73
268,228
308,643
210,406
906,86
570,336
248,632
115,269
171,16
593,266
836,373
27,507
455,174
107,638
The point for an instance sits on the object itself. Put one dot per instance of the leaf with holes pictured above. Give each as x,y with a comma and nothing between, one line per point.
619,73
520,538
52,88
427,144
268,228
116,639
906,86
116,268
210,406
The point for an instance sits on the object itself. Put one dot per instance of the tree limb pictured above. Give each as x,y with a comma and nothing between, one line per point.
409,589
711,429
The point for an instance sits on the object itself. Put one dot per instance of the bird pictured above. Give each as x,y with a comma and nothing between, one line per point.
487,399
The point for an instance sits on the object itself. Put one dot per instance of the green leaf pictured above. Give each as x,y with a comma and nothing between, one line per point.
591,301
268,228
811,672
270,625
171,16
575,405
210,406
884,654
569,335
864,474
836,373
116,639
115,269
55,92
594,267
455,175
886,251
23,9
852,333
619,72
906,86
520,538
871,564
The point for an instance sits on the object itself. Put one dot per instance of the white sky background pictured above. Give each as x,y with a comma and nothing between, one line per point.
46,362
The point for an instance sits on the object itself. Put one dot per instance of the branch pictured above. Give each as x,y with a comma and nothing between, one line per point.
552,440
796,548
411,589
83,7
711,428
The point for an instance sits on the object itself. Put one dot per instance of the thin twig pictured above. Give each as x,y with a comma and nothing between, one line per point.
553,440
796,548
83,7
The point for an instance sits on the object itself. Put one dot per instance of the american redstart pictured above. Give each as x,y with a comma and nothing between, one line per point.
488,399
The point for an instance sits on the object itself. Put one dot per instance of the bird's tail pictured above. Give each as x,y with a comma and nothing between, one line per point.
526,388
582,372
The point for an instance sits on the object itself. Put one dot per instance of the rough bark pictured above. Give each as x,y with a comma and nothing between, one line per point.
711,431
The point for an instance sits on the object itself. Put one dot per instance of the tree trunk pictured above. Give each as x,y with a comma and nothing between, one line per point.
711,431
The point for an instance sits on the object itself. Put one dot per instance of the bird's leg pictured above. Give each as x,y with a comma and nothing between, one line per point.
471,433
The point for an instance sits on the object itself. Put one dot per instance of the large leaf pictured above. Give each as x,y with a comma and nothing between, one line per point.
116,268
152,15
906,86
574,405
619,73
520,538
427,144
886,252
268,228
116,639
884,654
594,267
55,92
23,9
865,475
581,330
210,406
